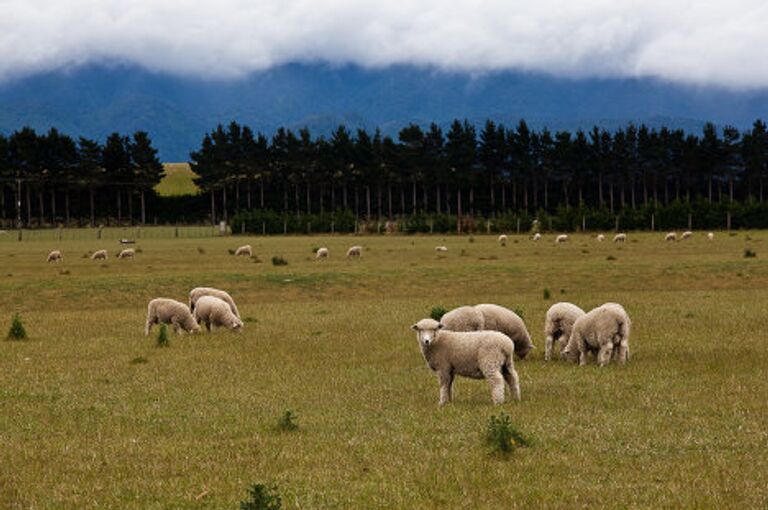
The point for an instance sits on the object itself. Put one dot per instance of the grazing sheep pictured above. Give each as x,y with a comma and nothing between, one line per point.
244,251
490,318
170,311
562,238
477,355
604,330
711,236
463,318
600,238
558,325
322,253
355,251
441,248
55,256
212,311
670,237
127,253
198,292
620,238
503,239
686,235
536,236
99,255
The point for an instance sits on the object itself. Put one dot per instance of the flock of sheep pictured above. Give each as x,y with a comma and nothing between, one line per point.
209,306
479,342
127,253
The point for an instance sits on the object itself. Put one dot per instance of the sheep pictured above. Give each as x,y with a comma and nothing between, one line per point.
536,236
170,311
99,255
198,292
686,235
490,318
604,330
355,251
441,248
600,238
503,239
244,251
477,355
711,236
127,253
562,238
558,324
620,238
212,311
322,253
55,256
670,237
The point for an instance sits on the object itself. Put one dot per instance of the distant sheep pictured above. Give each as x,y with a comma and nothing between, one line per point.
199,292
670,237
322,253
99,255
536,237
620,238
562,238
212,311
55,256
244,251
127,253
558,324
490,317
604,330
169,311
600,238
686,235
503,239
477,355
441,248
711,236
355,251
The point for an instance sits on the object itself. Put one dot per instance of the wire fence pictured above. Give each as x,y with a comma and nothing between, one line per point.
109,233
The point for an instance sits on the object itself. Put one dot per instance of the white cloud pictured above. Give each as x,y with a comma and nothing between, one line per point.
704,42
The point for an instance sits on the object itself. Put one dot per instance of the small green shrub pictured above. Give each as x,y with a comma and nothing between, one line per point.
437,312
17,331
287,422
262,497
749,254
279,261
501,436
162,336
547,294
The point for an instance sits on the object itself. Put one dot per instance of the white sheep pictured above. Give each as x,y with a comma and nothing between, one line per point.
99,255
620,238
127,253
355,251
244,251
503,239
477,355
488,317
686,235
536,236
170,311
711,236
671,236
212,311
463,318
55,256
558,324
600,238
198,292
605,331
441,248
562,238
322,253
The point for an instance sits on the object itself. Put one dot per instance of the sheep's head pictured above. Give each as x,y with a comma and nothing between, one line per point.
236,324
195,328
570,352
426,331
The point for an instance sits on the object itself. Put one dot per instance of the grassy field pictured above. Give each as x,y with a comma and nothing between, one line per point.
177,181
93,415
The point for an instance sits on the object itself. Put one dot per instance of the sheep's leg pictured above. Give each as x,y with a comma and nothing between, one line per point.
513,381
148,326
176,325
604,356
548,347
582,356
622,352
562,343
496,381
208,325
446,386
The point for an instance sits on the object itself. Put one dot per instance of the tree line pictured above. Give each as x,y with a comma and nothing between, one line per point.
52,178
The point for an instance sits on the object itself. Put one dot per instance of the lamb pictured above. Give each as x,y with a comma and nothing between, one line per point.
620,238
686,235
536,236
441,248
322,253
604,330
558,325
600,238
244,251
99,255
198,292
477,355
355,251
463,318
490,318
562,238
55,256
127,253
213,311
670,237
711,236
503,239
170,311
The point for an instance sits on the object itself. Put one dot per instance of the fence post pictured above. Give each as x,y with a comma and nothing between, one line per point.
728,221
653,222
518,224
333,227
176,231
689,221
19,234
488,226
431,226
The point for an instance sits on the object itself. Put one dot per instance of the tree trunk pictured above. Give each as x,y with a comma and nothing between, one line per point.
493,195
610,195
53,207
66,207
309,198
224,203
379,192
41,200
119,206
503,197
632,192
93,206
296,198
471,200
248,194
448,200
322,196
565,194
344,196
261,193
600,189
130,206
525,195
143,209
730,188
535,194
237,195
213,208
357,201
368,202
333,198
622,197
546,194
437,198
285,197
402,200
761,189
709,185
29,205
458,204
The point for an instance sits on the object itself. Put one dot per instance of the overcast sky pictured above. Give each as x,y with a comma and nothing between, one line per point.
698,42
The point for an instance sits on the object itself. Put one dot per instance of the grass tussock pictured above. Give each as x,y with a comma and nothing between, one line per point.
262,497
162,339
17,330
501,436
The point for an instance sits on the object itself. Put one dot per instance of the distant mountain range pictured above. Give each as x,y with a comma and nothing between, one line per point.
96,100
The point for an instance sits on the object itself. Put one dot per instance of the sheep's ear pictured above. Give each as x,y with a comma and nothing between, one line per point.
414,327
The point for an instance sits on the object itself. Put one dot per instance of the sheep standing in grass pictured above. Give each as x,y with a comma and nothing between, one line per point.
55,256
212,311
686,235
600,238
604,330
199,292
670,237
536,236
99,255
620,238
558,325
490,318
322,253
355,251
503,239
170,311
711,236
477,355
127,253
441,248
244,251
562,238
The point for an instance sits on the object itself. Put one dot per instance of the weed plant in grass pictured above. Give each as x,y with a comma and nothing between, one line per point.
262,497
162,336
501,436
17,330
287,422
437,312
